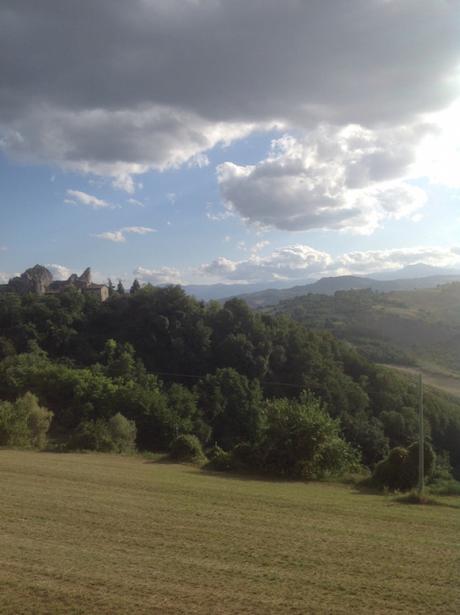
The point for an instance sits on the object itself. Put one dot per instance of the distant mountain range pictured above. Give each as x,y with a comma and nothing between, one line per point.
412,277
207,292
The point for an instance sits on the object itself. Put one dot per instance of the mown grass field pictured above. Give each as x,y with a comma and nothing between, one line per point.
101,534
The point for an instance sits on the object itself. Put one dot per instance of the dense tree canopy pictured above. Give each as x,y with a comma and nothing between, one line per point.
175,366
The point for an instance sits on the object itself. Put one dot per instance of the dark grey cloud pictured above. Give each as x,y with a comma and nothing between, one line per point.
118,87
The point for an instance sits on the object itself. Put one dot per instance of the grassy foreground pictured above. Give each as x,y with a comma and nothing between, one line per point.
107,535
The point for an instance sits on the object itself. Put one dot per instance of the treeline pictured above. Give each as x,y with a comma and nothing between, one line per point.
172,366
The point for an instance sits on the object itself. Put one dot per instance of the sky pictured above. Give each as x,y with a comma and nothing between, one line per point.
230,141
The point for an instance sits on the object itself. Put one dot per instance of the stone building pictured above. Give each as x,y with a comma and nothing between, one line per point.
40,281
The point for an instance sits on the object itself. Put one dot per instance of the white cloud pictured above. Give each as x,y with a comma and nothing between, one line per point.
438,157
219,214
386,260
301,262
4,277
162,275
132,201
199,160
125,182
138,230
290,262
77,197
115,236
120,235
59,272
260,245
348,178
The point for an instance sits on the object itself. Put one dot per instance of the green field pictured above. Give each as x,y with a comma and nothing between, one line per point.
447,381
105,535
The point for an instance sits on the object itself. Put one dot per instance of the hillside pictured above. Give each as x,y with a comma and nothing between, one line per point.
331,285
411,327
100,534
170,365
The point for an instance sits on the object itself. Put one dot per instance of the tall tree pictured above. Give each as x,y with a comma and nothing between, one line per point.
135,287
111,287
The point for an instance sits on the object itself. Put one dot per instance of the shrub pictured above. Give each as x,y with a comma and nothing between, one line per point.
303,441
117,435
219,459
187,448
244,456
399,471
24,422
92,436
39,421
445,487
123,433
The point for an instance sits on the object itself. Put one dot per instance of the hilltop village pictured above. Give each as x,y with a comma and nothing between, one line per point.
39,280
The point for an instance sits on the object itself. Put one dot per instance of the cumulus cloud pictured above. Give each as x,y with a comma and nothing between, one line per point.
259,246
4,277
120,235
348,178
387,260
291,262
162,275
160,82
301,262
76,197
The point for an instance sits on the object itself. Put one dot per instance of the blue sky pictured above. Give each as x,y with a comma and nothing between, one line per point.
318,151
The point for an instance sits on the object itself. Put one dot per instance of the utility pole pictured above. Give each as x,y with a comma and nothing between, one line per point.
421,440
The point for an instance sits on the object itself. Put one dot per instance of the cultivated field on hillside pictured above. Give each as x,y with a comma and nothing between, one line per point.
409,327
83,533
435,378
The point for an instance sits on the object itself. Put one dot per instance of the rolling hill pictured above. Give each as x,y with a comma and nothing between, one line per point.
330,285
410,327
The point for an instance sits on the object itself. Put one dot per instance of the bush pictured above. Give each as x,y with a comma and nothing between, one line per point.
445,487
187,448
24,422
303,441
219,459
399,471
245,456
92,436
117,435
123,433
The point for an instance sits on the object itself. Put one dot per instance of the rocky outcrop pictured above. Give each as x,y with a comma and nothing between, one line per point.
85,277
33,280
40,281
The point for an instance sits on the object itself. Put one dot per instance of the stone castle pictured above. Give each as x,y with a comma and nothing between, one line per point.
40,281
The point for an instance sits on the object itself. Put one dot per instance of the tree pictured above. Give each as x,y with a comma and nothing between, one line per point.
123,433
399,471
111,287
232,405
135,287
302,440
24,422
120,288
